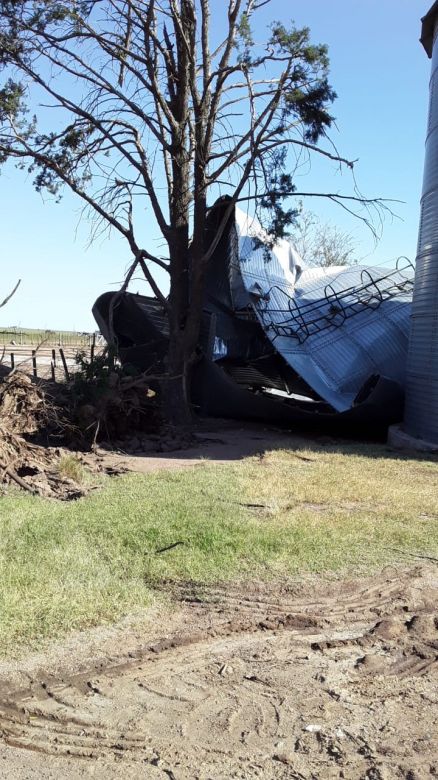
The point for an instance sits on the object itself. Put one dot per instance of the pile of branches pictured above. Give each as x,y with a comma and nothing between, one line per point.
42,422
26,411
24,406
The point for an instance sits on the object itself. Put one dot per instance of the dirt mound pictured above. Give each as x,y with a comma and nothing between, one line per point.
255,681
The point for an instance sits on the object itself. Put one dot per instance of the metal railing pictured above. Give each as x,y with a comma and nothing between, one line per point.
333,308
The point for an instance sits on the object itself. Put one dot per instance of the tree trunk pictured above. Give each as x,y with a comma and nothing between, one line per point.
186,277
176,386
185,315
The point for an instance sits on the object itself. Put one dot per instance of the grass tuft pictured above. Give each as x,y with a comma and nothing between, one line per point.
70,467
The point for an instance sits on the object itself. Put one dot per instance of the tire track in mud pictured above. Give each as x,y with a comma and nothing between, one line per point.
360,600
270,681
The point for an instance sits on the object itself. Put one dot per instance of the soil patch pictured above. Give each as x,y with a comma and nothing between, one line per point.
215,441
295,680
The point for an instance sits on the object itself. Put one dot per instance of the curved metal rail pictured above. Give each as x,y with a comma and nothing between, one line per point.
302,320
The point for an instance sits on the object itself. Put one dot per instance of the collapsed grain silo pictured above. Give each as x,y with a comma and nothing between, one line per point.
317,348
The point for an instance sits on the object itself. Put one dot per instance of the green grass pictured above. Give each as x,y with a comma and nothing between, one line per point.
65,566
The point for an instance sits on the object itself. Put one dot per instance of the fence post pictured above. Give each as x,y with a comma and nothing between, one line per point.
34,363
64,363
93,346
12,361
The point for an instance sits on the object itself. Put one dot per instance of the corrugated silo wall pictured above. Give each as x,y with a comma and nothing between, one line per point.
421,410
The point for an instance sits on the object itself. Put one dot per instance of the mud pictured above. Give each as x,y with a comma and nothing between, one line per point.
292,680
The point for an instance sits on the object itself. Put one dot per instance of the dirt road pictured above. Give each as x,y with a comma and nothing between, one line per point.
297,680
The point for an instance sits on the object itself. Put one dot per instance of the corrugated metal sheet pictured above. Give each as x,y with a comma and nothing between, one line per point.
421,409
334,326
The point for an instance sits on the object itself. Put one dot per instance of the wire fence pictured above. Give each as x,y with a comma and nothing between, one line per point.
48,362
13,336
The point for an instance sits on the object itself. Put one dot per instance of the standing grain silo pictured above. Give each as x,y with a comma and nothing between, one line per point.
421,406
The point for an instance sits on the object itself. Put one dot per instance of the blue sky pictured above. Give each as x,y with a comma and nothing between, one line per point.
380,72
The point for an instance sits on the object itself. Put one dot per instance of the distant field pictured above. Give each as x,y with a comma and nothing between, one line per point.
34,337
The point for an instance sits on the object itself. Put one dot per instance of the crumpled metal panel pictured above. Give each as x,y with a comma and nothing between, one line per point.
336,327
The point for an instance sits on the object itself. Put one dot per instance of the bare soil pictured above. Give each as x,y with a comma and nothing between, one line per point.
310,679
213,441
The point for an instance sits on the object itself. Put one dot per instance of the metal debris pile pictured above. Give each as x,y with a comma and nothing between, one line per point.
318,348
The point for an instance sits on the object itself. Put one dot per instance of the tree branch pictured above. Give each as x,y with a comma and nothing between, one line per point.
8,297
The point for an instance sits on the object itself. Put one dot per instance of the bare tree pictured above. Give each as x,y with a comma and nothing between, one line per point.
144,112
321,243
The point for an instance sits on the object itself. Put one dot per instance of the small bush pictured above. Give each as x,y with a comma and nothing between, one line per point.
105,401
